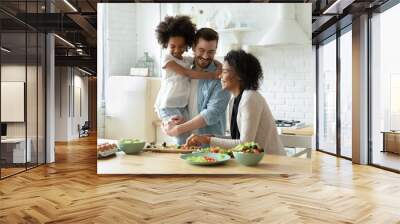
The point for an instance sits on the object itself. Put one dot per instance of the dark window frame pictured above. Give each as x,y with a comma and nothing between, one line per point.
334,37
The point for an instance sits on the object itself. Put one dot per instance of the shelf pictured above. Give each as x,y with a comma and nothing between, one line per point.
237,32
235,29
139,76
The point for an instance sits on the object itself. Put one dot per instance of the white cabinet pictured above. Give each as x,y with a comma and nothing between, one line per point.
130,107
16,147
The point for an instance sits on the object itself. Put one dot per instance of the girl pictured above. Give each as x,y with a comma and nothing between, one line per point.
176,34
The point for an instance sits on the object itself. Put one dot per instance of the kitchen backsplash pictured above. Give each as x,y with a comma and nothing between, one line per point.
289,84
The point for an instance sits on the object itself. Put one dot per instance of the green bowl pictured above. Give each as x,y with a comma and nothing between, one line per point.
248,159
131,146
220,158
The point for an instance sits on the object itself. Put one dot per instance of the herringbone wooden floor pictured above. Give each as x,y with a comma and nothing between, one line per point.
70,191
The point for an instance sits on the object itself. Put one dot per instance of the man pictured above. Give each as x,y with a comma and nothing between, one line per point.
208,102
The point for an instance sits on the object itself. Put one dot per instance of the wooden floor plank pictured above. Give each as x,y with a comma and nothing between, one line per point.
70,191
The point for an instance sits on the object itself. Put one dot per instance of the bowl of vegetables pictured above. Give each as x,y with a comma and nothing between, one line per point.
205,159
131,146
248,154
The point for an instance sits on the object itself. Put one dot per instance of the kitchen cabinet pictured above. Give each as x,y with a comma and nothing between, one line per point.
301,137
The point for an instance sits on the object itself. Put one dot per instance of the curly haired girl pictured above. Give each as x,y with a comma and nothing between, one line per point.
177,34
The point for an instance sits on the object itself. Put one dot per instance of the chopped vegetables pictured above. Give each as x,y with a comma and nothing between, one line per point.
217,150
191,148
201,159
249,147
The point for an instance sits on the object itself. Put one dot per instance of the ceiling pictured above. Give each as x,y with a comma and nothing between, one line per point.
77,22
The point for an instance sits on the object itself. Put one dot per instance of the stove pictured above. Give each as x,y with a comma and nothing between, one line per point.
287,123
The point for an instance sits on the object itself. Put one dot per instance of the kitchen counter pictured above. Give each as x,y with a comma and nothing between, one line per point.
171,163
307,131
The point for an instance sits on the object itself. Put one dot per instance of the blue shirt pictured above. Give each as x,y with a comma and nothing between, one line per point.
212,102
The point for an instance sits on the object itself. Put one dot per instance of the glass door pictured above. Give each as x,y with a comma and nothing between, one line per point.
13,103
385,89
346,93
327,96
22,77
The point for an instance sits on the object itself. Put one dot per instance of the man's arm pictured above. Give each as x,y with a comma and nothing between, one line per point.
216,106
178,129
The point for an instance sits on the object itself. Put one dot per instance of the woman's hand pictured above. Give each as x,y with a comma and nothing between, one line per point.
217,74
177,119
218,71
197,140
218,64
172,127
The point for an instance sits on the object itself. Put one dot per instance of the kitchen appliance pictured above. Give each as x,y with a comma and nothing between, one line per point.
285,30
289,124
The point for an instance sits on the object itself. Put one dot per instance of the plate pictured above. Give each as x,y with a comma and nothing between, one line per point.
107,153
219,158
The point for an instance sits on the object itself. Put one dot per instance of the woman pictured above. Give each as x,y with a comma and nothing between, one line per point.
250,117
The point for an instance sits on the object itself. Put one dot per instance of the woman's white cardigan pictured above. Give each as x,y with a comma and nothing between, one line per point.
255,123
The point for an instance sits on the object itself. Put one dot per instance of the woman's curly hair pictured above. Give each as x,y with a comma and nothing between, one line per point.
247,67
180,26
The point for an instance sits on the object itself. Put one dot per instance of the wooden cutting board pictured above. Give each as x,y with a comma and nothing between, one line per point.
169,150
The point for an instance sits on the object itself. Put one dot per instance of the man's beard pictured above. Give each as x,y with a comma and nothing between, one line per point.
202,62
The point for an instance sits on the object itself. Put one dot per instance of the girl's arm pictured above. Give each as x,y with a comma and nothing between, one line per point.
173,66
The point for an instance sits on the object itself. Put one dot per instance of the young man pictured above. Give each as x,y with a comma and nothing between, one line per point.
208,102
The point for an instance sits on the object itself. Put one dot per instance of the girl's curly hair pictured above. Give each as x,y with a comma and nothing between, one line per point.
180,26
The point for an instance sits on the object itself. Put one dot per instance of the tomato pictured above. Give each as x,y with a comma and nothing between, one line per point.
209,159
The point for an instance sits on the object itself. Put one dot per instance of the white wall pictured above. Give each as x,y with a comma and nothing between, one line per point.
121,37
17,73
288,84
33,127
146,40
66,119
61,103
127,31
